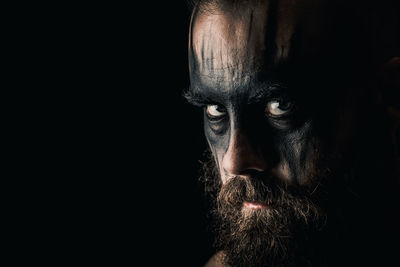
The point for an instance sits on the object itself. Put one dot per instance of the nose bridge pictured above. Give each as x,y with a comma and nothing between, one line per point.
240,142
243,154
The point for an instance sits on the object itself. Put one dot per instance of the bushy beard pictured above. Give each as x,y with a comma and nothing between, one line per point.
279,235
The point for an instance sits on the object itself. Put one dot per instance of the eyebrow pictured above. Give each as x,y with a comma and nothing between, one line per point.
265,91
196,98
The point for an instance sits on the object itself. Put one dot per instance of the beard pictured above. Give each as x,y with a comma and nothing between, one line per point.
280,234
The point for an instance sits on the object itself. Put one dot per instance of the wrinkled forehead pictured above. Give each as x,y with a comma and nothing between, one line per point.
234,46
228,46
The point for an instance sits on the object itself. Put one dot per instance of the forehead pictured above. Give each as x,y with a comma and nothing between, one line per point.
225,46
231,49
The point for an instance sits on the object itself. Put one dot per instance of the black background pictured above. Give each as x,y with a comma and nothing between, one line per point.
141,196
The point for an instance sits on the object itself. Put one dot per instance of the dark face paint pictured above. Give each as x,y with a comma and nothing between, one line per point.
230,72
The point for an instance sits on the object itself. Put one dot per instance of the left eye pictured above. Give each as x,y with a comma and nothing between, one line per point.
277,108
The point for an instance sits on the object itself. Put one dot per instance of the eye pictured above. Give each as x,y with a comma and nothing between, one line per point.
215,112
277,108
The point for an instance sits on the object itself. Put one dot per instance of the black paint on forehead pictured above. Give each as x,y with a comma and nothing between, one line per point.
269,60
253,92
259,80
270,35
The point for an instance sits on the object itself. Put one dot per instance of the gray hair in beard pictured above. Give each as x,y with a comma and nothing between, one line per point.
276,236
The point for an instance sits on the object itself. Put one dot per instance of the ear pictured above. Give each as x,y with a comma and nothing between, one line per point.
390,91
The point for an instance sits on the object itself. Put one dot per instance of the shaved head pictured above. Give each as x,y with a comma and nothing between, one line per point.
254,28
234,43
223,43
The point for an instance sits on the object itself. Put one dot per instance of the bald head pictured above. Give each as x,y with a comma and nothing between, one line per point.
234,42
225,45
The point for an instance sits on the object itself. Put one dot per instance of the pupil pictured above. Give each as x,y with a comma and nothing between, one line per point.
284,105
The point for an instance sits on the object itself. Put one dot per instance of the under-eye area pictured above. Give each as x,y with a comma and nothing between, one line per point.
281,113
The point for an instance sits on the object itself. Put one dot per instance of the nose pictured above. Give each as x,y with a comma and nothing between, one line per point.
242,157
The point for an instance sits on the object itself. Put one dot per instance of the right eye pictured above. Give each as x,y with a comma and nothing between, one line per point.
215,112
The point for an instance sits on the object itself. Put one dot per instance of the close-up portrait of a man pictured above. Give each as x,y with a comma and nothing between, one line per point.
300,103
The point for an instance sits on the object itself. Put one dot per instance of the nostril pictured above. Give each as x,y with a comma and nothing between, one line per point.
239,164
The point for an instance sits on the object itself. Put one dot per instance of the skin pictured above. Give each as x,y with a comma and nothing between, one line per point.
243,60
227,60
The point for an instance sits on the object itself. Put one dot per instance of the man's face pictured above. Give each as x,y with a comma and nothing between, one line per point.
248,110
251,74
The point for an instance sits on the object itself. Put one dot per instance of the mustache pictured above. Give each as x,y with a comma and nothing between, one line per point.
283,199
253,189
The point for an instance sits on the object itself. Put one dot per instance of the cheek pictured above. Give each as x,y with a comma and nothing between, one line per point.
282,171
218,155
309,163
218,145
299,156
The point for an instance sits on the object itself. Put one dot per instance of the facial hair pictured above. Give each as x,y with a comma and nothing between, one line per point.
279,235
